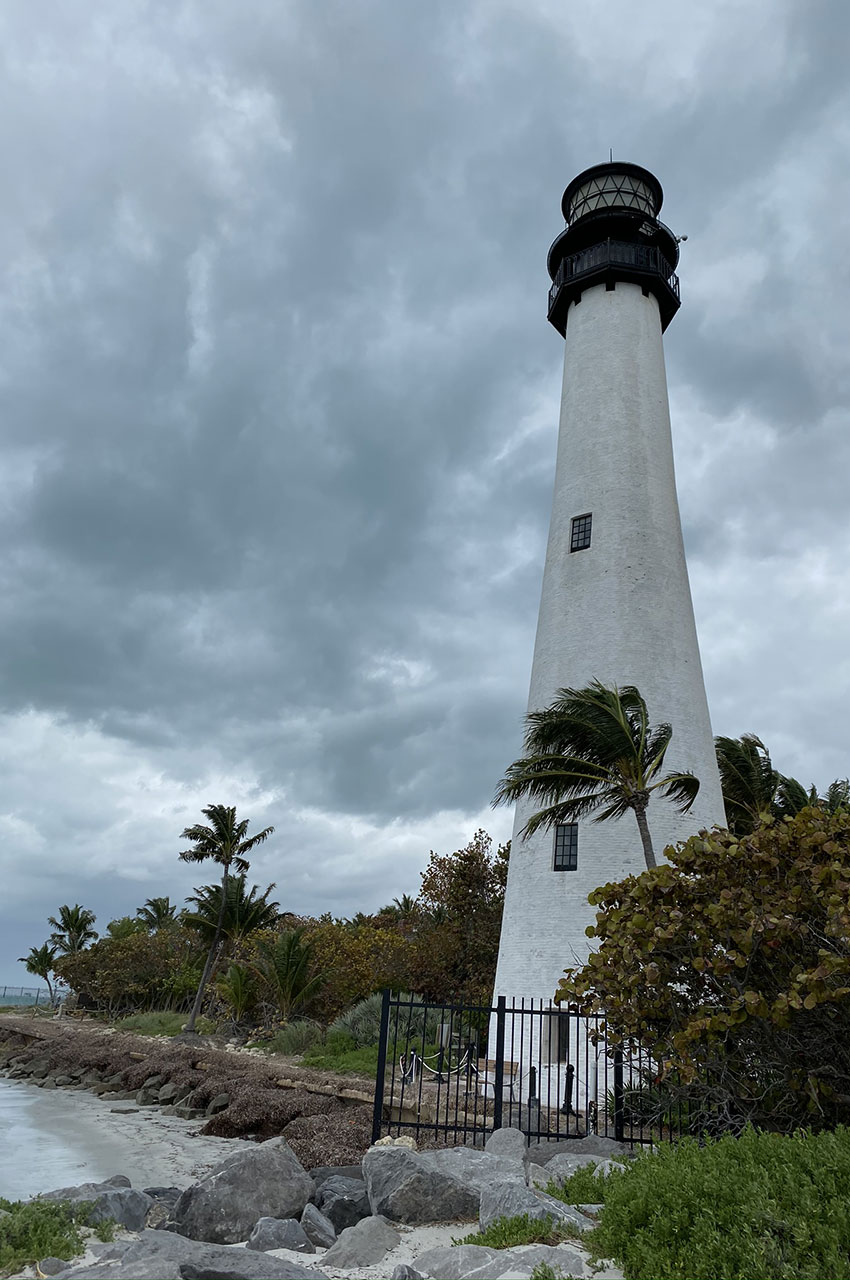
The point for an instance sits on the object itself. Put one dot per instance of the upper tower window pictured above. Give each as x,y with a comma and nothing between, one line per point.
580,532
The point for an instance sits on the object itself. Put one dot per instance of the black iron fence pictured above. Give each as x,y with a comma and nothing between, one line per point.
454,1073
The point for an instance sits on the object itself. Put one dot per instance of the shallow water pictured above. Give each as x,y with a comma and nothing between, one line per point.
46,1142
58,1138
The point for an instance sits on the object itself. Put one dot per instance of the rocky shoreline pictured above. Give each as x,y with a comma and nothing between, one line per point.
325,1120
260,1215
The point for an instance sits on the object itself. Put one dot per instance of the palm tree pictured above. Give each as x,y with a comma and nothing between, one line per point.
285,964
124,927
836,796
225,841
403,908
40,962
243,912
748,781
157,913
73,929
594,748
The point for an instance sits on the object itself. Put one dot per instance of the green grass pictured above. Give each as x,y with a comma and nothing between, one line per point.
292,1039
505,1233
326,1057
43,1228
760,1207
162,1023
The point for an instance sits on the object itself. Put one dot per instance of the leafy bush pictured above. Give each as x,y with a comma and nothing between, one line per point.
504,1233
733,962
293,1038
38,1228
761,1205
162,1022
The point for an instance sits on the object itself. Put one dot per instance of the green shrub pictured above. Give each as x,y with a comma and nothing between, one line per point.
363,1022
504,1233
585,1186
41,1228
345,1057
162,1023
293,1038
763,1206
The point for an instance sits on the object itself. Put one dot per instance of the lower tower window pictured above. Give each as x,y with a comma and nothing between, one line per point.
566,847
580,532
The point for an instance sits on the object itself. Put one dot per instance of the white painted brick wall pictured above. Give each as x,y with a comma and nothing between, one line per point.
619,612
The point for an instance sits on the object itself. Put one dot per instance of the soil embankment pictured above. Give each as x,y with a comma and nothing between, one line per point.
326,1119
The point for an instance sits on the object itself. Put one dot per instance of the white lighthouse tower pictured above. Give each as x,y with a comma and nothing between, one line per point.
616,602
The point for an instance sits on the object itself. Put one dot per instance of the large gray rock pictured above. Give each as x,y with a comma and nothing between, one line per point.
266,1181
324,1171
404,1187
433,1186
110,1200
594,1145
318,1227
471,1260
344,1201
511,1200
561,1167
363,1245
280,1233
511,1144
158,1255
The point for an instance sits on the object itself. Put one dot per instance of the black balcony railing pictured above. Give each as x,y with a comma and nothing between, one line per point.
614,253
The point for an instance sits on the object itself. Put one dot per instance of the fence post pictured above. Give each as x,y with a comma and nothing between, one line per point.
499,1074
378,1109
618,1095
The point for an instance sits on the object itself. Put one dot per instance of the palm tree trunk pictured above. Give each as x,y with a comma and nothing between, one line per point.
646,838
205,976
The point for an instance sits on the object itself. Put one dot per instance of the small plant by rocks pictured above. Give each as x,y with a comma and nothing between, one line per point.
505,1233
33,1229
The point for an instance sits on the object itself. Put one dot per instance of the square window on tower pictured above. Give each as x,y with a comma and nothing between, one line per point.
580,532
566,847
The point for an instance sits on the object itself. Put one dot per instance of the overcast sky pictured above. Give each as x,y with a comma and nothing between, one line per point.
279,411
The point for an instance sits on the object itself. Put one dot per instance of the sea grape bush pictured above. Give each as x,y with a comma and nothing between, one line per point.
733,961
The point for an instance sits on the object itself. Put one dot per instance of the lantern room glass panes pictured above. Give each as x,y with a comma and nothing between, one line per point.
612,190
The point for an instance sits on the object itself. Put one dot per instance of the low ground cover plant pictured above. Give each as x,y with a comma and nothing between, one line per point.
505,1233
164,1022
37,1229
763,1206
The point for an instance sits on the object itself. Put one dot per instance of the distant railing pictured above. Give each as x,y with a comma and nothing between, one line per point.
24,996
622,253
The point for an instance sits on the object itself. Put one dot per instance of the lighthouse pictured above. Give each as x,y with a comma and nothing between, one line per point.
616,602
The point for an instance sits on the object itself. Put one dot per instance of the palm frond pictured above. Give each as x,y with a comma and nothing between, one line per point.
681,788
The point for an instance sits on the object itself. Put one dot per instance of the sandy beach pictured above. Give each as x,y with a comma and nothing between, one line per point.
55,1138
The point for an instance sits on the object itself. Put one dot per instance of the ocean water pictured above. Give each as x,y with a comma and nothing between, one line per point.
46,1142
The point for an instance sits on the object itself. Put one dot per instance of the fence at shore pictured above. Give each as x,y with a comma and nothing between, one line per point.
26,997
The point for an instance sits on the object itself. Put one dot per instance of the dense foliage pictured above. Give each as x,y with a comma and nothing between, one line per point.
141,971
35,1229
734,959
761,1205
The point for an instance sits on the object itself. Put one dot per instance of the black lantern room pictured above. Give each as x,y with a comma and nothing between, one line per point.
613,233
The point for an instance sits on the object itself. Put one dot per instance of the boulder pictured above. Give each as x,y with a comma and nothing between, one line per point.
594,1145
157,1255
404,1272
325,1171
404,1187
220,1102
52,1266
267,1181
113,1199
186,1112
562,1167
318,1228
344,1201
511,1144
363,1245
170,1092
280,1233
512,1199
452,1262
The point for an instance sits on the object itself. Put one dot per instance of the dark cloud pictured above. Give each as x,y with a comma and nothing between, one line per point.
280,401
